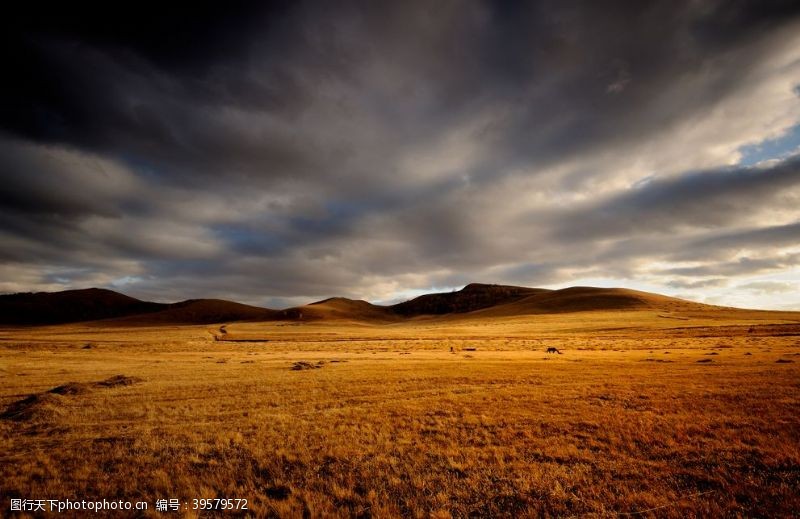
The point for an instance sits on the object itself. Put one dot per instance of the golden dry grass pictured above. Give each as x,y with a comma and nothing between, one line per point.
433,418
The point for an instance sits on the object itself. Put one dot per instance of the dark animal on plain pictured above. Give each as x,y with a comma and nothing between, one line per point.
553,350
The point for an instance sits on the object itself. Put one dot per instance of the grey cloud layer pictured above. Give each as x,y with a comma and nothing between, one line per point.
708,199
312,149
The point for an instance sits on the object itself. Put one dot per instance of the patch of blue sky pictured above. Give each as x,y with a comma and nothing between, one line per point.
247,239
125,281
66,276
777,148
140,165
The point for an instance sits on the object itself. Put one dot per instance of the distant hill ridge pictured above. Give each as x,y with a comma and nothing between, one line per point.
583,299
474,296
205,311
476,299
94,304
70,306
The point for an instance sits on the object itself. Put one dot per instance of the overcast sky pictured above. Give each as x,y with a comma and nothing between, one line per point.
278,154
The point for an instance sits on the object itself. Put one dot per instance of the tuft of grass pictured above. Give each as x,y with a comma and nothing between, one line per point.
303,365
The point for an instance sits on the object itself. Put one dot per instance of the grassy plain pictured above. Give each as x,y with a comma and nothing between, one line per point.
643,414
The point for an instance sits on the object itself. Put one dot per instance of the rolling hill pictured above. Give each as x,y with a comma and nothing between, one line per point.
203,311
586,299
474,296
70,306
347,309
95,304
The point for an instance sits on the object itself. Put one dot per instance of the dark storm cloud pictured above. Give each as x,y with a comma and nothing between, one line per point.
253,149
153,88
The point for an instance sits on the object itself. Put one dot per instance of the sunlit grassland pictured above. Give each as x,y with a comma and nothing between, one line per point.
433,418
